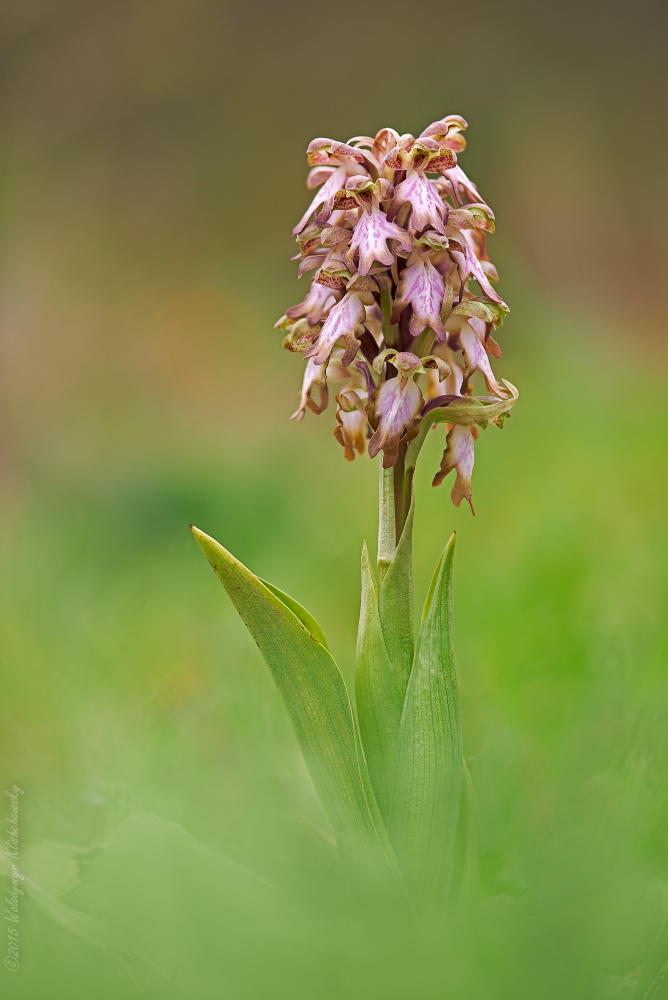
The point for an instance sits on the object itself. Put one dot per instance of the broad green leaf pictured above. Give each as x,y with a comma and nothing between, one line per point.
317,702
307,620
395,606
427,791
463,887
379,698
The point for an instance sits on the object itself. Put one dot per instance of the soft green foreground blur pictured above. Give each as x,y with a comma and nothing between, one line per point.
153,169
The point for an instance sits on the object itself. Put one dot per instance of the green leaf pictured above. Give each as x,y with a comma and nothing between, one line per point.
317,702
379,698
395,605
427,792
463,888
307,620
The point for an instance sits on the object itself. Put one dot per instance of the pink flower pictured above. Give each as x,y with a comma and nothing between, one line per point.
395,232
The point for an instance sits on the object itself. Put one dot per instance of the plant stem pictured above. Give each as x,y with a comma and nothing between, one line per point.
394,500
387,532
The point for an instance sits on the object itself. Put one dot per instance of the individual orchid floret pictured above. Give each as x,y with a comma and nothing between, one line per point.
469,265
345,322
300,335
320,376
422,287
394,408
371,234
470,336
315,375
333,162
427,207
351,418
458,455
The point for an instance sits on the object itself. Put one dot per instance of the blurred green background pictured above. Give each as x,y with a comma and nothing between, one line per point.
153,167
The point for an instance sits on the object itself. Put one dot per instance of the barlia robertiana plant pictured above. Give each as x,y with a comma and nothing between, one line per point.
400,312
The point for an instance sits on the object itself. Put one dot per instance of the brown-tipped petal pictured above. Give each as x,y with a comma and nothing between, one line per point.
345,321
458,455
317,301
422,286
351,432
370,239
394,411
427,208
315,375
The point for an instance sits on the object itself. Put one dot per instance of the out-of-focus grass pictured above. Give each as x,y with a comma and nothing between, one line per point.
133,698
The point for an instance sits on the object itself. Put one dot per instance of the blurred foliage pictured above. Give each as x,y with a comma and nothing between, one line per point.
153,168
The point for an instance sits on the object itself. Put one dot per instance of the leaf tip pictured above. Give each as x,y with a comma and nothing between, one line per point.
209,546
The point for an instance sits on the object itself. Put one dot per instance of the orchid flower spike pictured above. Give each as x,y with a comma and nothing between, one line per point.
401,290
